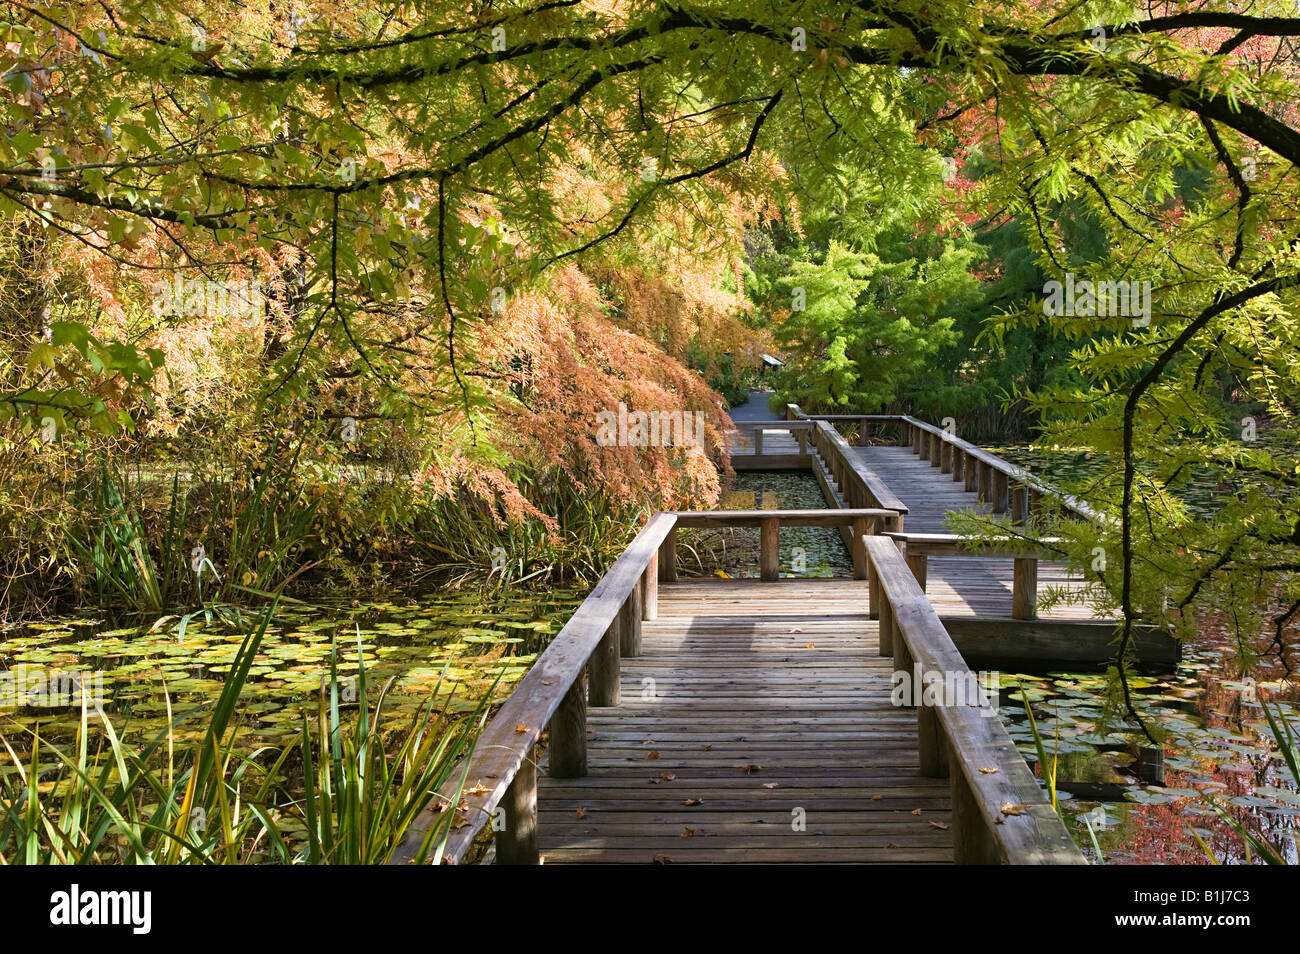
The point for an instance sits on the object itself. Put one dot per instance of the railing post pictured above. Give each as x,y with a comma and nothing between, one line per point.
918,563
972,470
650,588
922,444
517,841
885,612
904,434
568,751
873,578
629,628
932,746
668,558
936,449
986,472
1020,505
769,549
758,441
903,660
958,464
1024,588
603,667
801,435
862,433
972,842
945,457
860,529
999,500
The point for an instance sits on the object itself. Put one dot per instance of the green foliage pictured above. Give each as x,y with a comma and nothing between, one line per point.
217,805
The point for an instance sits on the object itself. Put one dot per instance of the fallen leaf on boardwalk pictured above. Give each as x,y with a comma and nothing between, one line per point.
997,820
707,747
891,845
662,860
939,825
667,776
876,798
648,742
521,728
916,811
652,754
693,801
591,731
1009,809
581,813
811,646
769,784
797,629
988,770
548,682
688,832
751,769
478,789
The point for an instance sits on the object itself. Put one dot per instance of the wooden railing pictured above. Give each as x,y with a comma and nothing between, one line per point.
999,813
996,481
863,521
579,668
919,547
798,429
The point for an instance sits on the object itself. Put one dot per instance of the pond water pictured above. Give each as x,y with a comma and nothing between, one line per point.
1220,755
138,667
804,551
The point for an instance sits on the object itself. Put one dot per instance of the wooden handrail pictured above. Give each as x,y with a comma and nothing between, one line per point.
1008,470
581,663
919,547
870,520
859,483
956,545
788,518
999,813
773,425
991,476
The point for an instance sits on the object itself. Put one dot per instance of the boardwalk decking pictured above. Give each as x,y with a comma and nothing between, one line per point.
961,586
767,699
725,720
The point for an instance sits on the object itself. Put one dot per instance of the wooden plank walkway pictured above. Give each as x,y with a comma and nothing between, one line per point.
749,703
726,720
961,586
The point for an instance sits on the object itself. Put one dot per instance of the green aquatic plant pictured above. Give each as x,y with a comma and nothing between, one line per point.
210,802
358,800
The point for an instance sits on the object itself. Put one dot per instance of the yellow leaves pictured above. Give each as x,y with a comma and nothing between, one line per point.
916,811
988,769
580,813
1009,809
652,754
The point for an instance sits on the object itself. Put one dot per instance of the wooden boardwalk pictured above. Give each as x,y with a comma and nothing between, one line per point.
962,586
725,720
755,726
